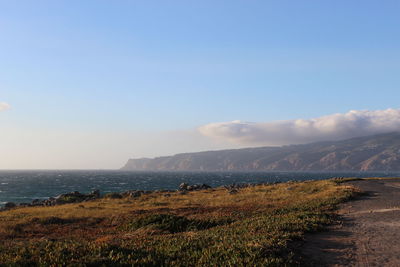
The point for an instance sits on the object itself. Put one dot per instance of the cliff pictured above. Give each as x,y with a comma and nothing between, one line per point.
371,153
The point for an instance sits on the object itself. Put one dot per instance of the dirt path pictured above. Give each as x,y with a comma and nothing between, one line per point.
369,234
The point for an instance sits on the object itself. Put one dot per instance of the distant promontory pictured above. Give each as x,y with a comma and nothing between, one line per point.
371,153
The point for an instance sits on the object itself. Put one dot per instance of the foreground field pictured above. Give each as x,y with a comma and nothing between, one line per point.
255,226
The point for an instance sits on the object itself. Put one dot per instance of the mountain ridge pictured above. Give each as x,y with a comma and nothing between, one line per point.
368,153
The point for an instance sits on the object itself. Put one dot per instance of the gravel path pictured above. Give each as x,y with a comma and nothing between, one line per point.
369,233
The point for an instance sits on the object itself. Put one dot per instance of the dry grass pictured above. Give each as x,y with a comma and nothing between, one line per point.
253,226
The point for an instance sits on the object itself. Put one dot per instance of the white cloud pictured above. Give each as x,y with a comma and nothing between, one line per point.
332,127
4,106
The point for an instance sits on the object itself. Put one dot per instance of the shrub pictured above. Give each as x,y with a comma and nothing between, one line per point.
173,223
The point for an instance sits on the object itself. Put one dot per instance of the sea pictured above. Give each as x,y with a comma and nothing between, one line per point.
25,186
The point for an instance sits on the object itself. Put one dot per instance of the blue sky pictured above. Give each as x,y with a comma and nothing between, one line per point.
127,70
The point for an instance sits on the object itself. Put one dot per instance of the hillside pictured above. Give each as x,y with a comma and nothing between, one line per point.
371,153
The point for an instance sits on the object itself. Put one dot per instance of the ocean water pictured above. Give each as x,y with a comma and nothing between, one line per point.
24,186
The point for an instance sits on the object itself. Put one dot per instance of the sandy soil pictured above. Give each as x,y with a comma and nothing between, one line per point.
368,233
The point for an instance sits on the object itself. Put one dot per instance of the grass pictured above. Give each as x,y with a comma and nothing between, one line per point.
255,227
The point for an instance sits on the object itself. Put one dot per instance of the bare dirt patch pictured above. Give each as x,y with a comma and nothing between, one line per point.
368,232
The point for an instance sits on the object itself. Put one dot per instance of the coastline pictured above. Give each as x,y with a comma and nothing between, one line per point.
26,186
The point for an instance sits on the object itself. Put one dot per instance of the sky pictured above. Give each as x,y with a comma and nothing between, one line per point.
90,84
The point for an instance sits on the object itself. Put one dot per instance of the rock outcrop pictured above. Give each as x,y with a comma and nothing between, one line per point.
77,197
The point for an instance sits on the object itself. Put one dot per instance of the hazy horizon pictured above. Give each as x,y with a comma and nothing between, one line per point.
88,85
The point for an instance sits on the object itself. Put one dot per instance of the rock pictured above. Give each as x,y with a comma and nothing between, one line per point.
72,197
237,186
95,193
205,186
233,191
136,194
187,187
183,186
190,188
10,205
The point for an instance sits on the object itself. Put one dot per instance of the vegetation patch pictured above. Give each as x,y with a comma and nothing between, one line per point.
254,227
173,223
54,220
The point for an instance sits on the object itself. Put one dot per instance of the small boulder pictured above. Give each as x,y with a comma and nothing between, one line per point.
135,194
233,191
95,193
205,186
183,186
190,188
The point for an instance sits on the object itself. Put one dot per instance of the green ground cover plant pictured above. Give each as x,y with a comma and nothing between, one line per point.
257,226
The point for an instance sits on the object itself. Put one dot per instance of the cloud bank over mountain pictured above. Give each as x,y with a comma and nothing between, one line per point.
4,106
331,127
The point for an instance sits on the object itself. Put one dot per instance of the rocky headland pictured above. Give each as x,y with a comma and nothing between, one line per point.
370,153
